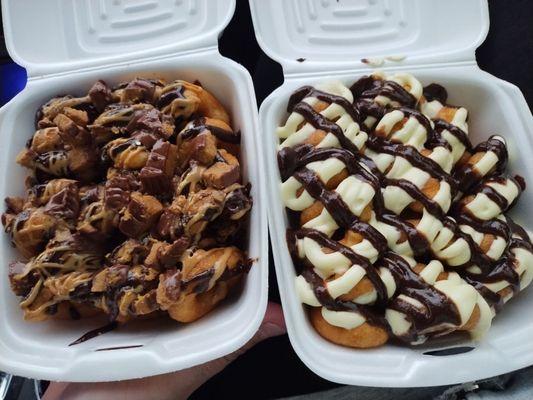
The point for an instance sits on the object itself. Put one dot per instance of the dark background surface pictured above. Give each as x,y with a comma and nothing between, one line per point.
272,369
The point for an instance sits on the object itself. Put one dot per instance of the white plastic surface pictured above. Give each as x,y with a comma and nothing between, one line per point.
495,106
62,35
40,350
337,34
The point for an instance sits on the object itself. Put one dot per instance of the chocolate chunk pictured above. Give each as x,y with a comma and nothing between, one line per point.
169,226
435,91
171,254
223,173
145,120
156,176
142,212
21,284
65,204
83,163
238,203
138,90
164,255
151,121
100,95
202,148
117,191
168,97
71,133
154,181
147,139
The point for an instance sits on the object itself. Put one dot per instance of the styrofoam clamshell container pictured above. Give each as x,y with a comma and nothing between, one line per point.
320,40
66,46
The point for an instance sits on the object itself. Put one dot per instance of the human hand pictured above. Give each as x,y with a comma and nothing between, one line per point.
172,386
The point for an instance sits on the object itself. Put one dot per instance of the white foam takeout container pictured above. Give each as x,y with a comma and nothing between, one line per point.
438,39
66,46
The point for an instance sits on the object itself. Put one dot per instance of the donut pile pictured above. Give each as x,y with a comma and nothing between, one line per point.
398,225
135,205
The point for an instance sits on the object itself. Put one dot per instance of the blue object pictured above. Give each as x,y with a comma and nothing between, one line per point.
12,80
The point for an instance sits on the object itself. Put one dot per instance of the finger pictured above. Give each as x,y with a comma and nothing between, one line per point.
176,385
273,325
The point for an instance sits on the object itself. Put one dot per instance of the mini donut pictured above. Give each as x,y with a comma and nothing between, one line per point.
191,99
364,336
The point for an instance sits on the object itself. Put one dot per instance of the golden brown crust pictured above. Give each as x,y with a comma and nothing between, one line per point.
311,212
364,287
193,307
473,320
315,138
363,337
210,106
430,189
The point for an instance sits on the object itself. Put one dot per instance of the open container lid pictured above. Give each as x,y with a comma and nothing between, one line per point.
70,35
326,35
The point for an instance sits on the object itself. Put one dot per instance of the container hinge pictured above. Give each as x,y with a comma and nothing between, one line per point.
292,73
207,50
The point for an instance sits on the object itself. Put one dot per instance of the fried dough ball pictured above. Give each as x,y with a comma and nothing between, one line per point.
364,336
182,99
205,280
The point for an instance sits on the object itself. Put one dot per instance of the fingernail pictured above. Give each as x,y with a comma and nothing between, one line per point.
269,330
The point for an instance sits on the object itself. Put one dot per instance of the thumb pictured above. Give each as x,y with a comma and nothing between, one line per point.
176,385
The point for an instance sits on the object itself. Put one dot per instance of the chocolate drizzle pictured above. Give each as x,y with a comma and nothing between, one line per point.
320,122
371,313
441,125
170,96
378,144
465,174
309,91
368,88
434,91
200,125
95,333
292,159
438,309
351,255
